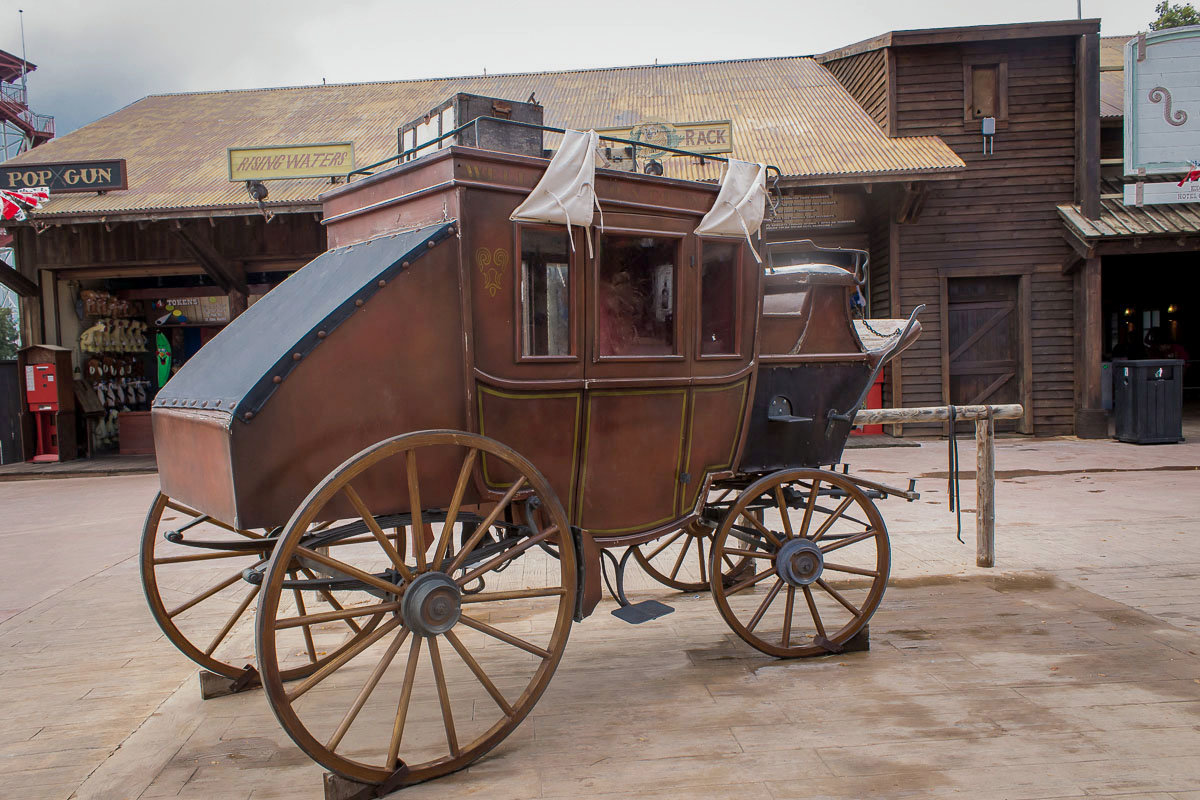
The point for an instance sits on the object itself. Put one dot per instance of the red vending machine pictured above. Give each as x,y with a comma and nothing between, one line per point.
49,402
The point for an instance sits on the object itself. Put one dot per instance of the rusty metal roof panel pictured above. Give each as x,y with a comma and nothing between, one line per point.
790,112
1120,221
1112,76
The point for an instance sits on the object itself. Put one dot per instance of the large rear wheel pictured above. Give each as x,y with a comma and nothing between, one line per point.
476,615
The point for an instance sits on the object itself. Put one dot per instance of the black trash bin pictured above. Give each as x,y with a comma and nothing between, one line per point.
1148,400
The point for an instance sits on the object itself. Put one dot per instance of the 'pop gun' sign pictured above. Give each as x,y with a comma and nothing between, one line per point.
73,176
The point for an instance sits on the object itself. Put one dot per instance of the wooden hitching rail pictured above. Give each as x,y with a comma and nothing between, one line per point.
985,457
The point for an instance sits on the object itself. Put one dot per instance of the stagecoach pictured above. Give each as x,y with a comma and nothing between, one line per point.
407,460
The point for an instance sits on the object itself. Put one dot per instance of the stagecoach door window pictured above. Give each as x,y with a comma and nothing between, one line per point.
545,293
636,297
718,298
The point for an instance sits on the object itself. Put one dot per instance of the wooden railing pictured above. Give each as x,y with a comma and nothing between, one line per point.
985,457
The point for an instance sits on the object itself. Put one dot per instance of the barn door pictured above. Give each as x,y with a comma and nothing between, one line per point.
983,361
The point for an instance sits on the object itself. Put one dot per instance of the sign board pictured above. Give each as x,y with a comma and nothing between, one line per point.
1162,101
1151,194
66,176
277,162
697,137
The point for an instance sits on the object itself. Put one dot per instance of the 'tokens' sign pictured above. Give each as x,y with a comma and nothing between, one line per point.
70,176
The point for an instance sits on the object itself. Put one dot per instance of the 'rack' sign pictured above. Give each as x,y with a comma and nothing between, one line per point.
69,176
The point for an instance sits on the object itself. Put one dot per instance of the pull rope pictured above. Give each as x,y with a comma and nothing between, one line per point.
952,486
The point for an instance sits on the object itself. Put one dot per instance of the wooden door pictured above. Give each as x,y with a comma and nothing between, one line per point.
983,341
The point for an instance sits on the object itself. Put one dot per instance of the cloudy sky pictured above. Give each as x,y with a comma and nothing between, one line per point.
95,57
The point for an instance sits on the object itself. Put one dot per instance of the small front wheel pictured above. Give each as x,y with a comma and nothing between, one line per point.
820,557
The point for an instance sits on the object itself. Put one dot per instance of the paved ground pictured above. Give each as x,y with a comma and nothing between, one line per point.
1070,670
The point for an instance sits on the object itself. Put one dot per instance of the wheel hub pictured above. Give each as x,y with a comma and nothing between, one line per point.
799,562
432,604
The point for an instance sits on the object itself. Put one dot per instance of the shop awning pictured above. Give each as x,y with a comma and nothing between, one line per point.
1172,227
234,373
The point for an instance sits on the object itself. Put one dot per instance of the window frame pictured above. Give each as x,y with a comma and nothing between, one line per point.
680,351
573,261
738,311
1001,63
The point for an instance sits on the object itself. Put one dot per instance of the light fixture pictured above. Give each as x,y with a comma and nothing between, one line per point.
653,167
1171,309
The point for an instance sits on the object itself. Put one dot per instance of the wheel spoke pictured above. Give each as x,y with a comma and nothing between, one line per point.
333,664
762,529
787,616
410,674
849,540
700,553
747,553
507,555
368,687
414,509
443,696
471,663
870,573
809,506
367,517
508,638
783,511
812,609
353,572
679,561
750,581
469,545
516,594
664,545
460,488
209,592
329,598
766,603
341,613
838,596
228,626
837,513
309,645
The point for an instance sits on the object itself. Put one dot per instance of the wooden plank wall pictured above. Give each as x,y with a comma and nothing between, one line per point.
865,77
1001,215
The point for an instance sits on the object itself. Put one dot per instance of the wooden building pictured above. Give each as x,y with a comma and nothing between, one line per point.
880,145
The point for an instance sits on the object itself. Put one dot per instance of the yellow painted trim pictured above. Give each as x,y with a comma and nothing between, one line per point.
586,446
577,394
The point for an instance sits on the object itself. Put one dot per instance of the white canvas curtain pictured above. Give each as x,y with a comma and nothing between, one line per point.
741,204
566,194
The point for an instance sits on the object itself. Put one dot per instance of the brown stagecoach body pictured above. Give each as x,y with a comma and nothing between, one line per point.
419,318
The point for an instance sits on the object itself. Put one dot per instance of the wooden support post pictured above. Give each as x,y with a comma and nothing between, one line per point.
985,492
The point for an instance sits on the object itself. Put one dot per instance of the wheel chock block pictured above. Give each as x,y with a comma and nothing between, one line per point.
637,613
214,685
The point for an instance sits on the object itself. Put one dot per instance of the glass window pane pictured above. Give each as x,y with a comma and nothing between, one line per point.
636,303
545,293
718,297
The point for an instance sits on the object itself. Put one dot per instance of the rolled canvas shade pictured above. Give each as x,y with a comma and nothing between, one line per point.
566,194
741,204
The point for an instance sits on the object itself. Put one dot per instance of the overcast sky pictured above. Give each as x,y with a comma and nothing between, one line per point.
95,57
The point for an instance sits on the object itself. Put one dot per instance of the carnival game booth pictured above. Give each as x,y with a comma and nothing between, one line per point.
416,448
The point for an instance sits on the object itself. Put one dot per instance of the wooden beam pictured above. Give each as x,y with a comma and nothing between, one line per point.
896,366
14,280
227,274
1071,262
985,492
887,416
1087,104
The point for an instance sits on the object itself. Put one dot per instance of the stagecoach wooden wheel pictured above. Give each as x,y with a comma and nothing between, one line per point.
449,673
821,559
192,573
681,559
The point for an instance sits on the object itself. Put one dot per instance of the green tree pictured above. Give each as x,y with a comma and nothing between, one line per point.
1174,16
9,337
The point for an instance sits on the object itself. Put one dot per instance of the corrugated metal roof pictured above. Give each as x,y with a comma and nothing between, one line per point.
1112,76
1118,220
790,112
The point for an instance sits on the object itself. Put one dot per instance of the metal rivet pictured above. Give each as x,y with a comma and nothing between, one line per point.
382,283
248,415
204,404
194,403
277,379
404,264
296,356
430,244
358,303
321,334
